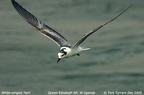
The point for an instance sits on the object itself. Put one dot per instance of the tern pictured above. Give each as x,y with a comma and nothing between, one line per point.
66,49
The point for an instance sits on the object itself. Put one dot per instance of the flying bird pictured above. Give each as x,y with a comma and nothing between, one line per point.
66,49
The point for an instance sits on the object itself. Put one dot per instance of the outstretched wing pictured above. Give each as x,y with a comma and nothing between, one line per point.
43,28
81,39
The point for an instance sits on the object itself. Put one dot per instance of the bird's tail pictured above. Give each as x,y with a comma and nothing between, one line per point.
83,48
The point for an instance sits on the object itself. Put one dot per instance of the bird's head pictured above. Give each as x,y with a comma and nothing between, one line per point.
63,53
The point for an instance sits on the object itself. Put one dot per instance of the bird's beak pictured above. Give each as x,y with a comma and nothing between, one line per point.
58,60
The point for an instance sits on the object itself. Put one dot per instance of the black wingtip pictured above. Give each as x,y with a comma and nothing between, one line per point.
13,1
129,7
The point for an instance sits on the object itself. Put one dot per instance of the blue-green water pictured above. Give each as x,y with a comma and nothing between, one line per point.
115,61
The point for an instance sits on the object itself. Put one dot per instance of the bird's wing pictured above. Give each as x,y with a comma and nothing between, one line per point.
43,28
81,39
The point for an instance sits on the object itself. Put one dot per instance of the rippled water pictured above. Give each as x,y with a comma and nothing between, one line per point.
115,61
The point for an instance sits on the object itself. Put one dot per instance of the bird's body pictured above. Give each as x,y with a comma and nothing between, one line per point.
72,51
66,49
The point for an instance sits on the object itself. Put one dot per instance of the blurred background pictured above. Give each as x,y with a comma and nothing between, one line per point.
115,61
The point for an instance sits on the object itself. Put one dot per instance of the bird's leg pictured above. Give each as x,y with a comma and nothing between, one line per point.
78,54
